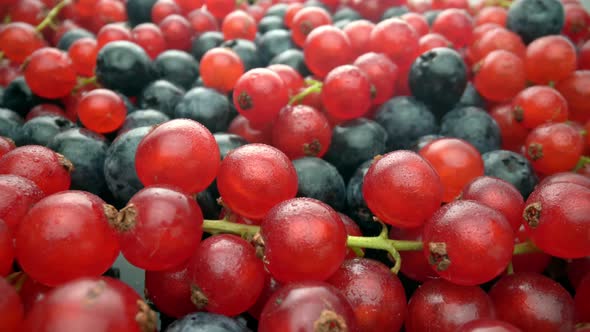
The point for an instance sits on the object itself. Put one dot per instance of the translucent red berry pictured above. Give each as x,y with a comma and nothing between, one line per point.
346,93
554,147
326,48
150,38
538,105
550,59
497,39
456,25
488,325
415,266
18,40
359,34
500,76
83,53
170,290
6,249
382,73
239,25
11,307
220,69
177,32
512,132
396,39
50,73
102,110
306,20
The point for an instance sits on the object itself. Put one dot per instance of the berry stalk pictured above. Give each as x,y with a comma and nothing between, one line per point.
313,87
49,19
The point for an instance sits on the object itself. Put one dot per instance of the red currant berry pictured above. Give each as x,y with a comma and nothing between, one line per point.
221,68
497,39
112,32
202,21
220,8
415,266
538,105
150,38
482,325
307,306
493,14
242,127
67,236
402,189
535,262
188,6
6,145
27,11
181,153
396,39
418,22
548,307
226,276
170,291
18,40
512,132
83,53
177,32
290,12
18,195
239,25
108,11
32,292
306,20
456,25
431,41
352,229
382,74
49,170
577,22
581,300
468,243
50,73
573,89
102,111
11,307
554,147
346,93
254,178
326,48
500,76
291,77
6,250
155,241
442,306
359,34
567,177
304,239
259,95
163,8
270,287
550,59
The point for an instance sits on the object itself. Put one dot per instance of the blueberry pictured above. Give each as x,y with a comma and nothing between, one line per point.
228,142
40,130
423,141
125,67
471,97
392,12
438,78
279,10
511,167
316,3
246,50
532,19
119,165
10,124
268,23
274,43
319,179
357,207
143,118
70,36
177,67
346,13
206,322
473,125
354,142
341,24
128,103
207,106
431,16
18,97
139,11
405,119
205,42
208,204
160,95
293,58
87,151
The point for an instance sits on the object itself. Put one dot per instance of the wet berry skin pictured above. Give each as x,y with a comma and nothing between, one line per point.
125,67
142,118
18,195
438,78
547,20
511,167
319,179
207,106
177,67
160,95
12,313
473,125
205,322
40,130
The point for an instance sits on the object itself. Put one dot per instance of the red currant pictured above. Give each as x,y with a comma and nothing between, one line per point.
102,111
18,40
239,25
306,20
554,147
221,68
456,25
550,59
170,290
346,93
6,250
11,307
150,38
50,73
396,39
538,105
500,76
177,32
17,196
359,34
326,48
382,74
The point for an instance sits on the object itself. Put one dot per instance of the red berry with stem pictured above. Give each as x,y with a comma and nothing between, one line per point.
89,304
538,105
301,131
359,34
346,93
55,226
18,40
291,77
170,290
456,25
254,178
102,111
163,8
497,194
83,53
226,276
376,295
533,302
304,239
550,59
239,25
468,243
512,132
259,95
18,195
581,302
326,48
442,306
50,73
457,163
402,189
415,266
396,39
500,76
154,240
181,153
382,73
220,8
150,38
6,249
554,147
557,219
49,170
177,32
220,69
497,39
352,229
306,20
11,307
491,325
307,306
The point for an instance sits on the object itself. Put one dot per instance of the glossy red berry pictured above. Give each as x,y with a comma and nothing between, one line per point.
538,105
254,178
170,290
188,6
497,39
102,111
112,32
181,153
90,303
500,76
202,21
6,145
346,93
220,69
499,195
163,8
376,295
397,198
306,20
352,229
396,39
301,131
550,59
431,41
6,249
28,11
108,11
291,77
456,25
359,34
567,177
468,243
220,8
482,325
554,148
418,22
259,95
415,266
557,219
535,262
159,229
11,307
150,38
270,287
304,239
32,292
572,88
492,14
382,73
177,32
239,25
67,236
241,126
577,22
18,195
443,306
18,40
307,306
49,170
533,302
577,269
226,276
326,48
512,132
50,73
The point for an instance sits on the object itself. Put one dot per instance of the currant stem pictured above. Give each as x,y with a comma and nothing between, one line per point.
48,20
525,248
222,226
584,160
84,81
314,87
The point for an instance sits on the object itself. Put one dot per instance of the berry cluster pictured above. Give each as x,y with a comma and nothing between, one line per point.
291,165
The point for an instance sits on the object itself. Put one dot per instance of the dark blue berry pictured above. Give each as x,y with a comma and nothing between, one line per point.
274,43
207,106
139,11
346,13
143,118
160,95
205,42
473,125
268,23
319,179
246,50
10,124
40,130
207,322
392,12
228,142
70,36
532,19
18,97
177,67
511,167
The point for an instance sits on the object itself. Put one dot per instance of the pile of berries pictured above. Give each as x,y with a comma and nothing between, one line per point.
291,165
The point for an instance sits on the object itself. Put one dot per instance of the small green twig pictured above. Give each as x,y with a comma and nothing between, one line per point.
314,87
584,160
52,15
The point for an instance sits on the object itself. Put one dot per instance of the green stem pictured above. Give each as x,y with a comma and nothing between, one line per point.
510,268
84,81
222,226
314,87
525,248
51,15
584,160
